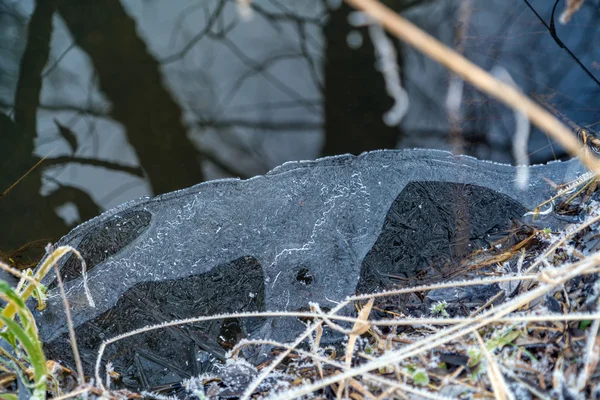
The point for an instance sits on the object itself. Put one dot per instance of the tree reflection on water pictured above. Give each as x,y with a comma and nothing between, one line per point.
127,98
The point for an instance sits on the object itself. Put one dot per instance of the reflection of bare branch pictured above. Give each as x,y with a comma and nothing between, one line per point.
253,149
224,166
29,85
131,79
288,16
10,10
95,111
179,22
52,67
262,125
285,16
261,68
198,37
39,220
312,66
92,111
353,121
136,171
86,207
275,105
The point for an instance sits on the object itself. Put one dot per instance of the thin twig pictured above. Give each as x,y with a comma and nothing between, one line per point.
26,173
73,340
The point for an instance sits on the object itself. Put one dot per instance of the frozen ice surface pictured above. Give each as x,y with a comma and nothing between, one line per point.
299,234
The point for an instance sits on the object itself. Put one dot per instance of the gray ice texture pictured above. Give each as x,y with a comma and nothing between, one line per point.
323,216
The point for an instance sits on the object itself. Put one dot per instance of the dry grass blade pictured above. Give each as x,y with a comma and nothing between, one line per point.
360,327
315,344
452,60
591,354
559,277
52,258
23,277
74,393
571,232
501,391
443,285
393,385
254,385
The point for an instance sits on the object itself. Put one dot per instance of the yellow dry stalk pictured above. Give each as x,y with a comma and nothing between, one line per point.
30,289
39,293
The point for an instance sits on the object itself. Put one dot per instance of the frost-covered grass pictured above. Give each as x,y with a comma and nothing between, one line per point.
537,338
22,337
21,354
27,360
540,342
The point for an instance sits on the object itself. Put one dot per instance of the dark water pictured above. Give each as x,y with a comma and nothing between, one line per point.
128,98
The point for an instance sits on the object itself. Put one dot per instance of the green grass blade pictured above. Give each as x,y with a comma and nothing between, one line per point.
33,348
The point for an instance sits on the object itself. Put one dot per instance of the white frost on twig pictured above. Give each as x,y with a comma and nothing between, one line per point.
359,18
388,66
456,85
244,10
571,8
521,138
454,98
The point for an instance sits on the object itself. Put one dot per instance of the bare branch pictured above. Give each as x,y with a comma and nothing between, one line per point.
95,111
136,171
290,125
198,37
222,165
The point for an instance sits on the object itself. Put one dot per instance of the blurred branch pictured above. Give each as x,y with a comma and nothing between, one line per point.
312,64
136,171
262,68
276,105
54,65
133,82
415,37
198,37
261,125
285,16
57,106
35,56
353,121
222,165
86,207
275,19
